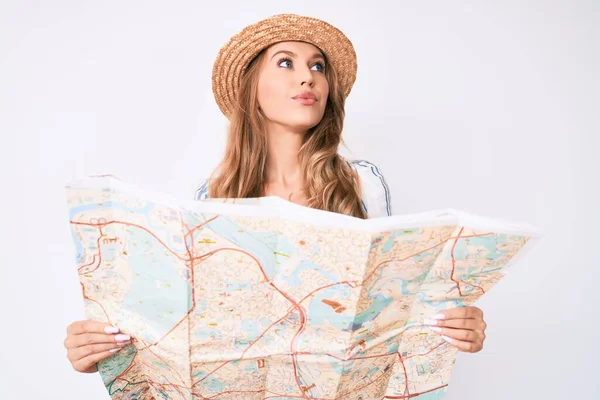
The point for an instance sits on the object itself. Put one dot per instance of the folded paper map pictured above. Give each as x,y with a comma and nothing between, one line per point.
266,299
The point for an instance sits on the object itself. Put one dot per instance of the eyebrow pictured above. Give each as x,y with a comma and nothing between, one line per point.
292,54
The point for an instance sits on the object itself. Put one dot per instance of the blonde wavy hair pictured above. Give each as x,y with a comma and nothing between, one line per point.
330,183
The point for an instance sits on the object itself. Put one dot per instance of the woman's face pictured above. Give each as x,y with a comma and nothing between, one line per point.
292,87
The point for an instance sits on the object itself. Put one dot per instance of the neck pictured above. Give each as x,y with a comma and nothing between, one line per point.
283,165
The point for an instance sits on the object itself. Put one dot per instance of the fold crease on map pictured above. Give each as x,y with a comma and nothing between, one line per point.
262,298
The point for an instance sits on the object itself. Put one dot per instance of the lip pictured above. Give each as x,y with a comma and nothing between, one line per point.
306,98
305,95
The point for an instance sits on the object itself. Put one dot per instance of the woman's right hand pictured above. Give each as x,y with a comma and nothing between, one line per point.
89,342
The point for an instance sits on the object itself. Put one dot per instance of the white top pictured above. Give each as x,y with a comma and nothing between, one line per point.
375,191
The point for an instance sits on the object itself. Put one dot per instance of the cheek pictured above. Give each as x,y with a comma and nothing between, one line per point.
324,89
270,96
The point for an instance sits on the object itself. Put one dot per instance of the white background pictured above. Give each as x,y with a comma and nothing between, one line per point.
491,107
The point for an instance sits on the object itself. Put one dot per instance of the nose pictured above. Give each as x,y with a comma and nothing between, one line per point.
306,77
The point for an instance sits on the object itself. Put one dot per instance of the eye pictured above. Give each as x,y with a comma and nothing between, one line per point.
320,67
285,62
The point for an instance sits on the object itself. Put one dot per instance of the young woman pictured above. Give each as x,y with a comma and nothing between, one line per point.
282,82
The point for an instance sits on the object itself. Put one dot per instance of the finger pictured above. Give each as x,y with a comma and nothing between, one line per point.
86,339
80,353
459,313
471,324
467,347
79,327
88,362
464,335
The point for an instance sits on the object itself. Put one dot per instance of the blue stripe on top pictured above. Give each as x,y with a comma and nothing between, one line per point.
202,191
377,174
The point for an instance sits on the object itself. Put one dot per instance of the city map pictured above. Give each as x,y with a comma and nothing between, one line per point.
265,299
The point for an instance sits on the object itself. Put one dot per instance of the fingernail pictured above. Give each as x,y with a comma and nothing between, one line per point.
436,329
122,338
123,343
111,329
438,316
429,322
447,339
115,350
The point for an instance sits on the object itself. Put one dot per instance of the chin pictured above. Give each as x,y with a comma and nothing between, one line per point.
304,122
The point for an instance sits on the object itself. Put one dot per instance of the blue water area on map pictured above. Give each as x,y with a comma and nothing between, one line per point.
206,333
115,205
158,294
213,383
294,279
378,304
114,366
423,255
490,243
396,281
234,286
251,367
320,312
251,328
268,238
229,230
265,322
389,243
435,395
201,305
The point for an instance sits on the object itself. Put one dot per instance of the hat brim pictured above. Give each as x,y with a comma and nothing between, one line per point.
236,54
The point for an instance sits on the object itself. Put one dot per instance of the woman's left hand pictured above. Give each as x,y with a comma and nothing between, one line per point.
462,327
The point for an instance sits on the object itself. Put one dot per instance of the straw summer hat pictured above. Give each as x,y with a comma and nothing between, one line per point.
236,54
